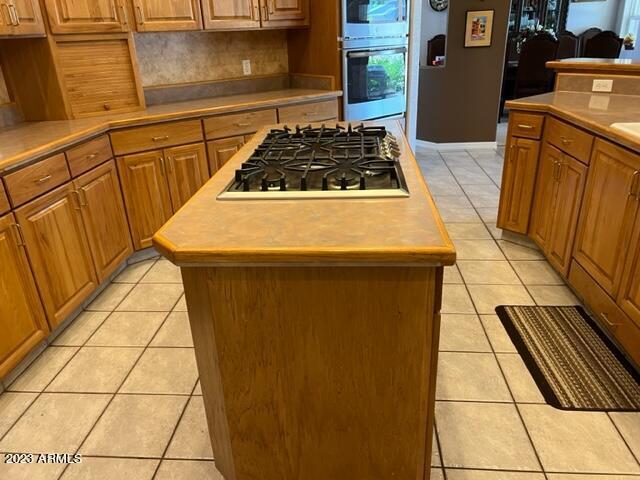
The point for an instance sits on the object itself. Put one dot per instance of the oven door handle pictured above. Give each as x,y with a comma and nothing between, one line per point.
370,53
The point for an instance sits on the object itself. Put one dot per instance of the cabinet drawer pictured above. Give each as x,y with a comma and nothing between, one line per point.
156,136
309,112
36,179
526,125
600,303
238,124
88,155
4,201
569,139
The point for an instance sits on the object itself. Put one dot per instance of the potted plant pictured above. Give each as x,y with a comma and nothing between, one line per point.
629,41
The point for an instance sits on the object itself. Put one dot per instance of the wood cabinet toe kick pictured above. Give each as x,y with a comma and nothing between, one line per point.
578,197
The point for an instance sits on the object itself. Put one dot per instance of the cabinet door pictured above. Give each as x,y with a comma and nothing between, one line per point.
88,16
22,320
571,178
59,252
146,195
285,13
104,218
231,14
21,17
518,181
545,194
220,151
629,296
160,15
187,171
607,215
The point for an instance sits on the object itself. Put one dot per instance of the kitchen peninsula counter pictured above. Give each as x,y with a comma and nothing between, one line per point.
315,325
30,141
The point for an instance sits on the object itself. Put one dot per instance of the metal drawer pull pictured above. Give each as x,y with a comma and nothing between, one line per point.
609,323
163,138
242,125
565,140
524,126
43,179
91,156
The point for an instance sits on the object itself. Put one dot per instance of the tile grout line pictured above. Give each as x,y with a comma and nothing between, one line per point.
623,438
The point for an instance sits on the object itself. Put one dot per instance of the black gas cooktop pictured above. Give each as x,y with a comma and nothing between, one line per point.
319,162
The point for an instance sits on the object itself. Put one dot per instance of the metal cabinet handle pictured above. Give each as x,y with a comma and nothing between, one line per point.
265,12
242,125
125,17
162,166
42,179
634,189
15,17
91,156
272,7
17,228
565,140
525,126
609,323
77,205
169,164
162,138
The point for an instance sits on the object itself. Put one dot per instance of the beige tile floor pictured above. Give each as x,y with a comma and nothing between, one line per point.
120,385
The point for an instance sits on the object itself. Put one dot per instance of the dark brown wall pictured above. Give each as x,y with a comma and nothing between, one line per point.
459,102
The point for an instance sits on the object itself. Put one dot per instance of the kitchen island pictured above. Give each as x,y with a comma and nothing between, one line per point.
316,326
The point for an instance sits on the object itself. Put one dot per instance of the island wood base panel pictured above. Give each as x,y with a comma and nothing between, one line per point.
317,372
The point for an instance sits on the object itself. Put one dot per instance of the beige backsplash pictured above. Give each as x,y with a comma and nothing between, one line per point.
4,95
184,57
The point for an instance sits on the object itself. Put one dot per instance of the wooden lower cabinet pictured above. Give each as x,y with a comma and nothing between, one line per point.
608,214
220,151
22,321
146,194
104,218
187,171
518,182
58,251
629,294
559,190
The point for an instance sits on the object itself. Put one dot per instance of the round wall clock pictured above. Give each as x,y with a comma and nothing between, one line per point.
439,5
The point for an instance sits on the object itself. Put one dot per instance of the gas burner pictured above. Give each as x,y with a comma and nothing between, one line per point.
317,162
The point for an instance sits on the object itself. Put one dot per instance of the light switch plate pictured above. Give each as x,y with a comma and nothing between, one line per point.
602,85
246,67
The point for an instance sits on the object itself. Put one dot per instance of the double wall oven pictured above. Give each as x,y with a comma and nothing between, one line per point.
374,57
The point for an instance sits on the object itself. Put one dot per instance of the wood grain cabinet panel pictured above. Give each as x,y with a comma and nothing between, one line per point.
104,218
155,137
22,321
518,183
4,201
58,251
87,16
146,194
526,125
161,15
608,214
244,123
546,192
29,182
84,157
187,171
231,14
285,13
20,17
220,151
629,296
309,112
100,76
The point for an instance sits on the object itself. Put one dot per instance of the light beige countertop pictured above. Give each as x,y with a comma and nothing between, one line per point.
29,141
605,114
617,65
339,231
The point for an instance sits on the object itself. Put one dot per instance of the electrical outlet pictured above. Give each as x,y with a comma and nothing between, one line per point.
602,86
246,67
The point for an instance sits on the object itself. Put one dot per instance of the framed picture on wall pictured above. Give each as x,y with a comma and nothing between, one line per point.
479,28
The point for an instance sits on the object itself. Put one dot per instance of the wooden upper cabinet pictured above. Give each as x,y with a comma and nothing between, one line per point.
58,251
104,218
100,76
22,320
87,16
518,182
608,213
20,17
146,194
163,15
231,14
285,13
187,171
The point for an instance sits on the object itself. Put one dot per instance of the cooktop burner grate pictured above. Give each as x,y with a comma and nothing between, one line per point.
321,162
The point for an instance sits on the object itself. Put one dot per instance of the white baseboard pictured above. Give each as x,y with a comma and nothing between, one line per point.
456,146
